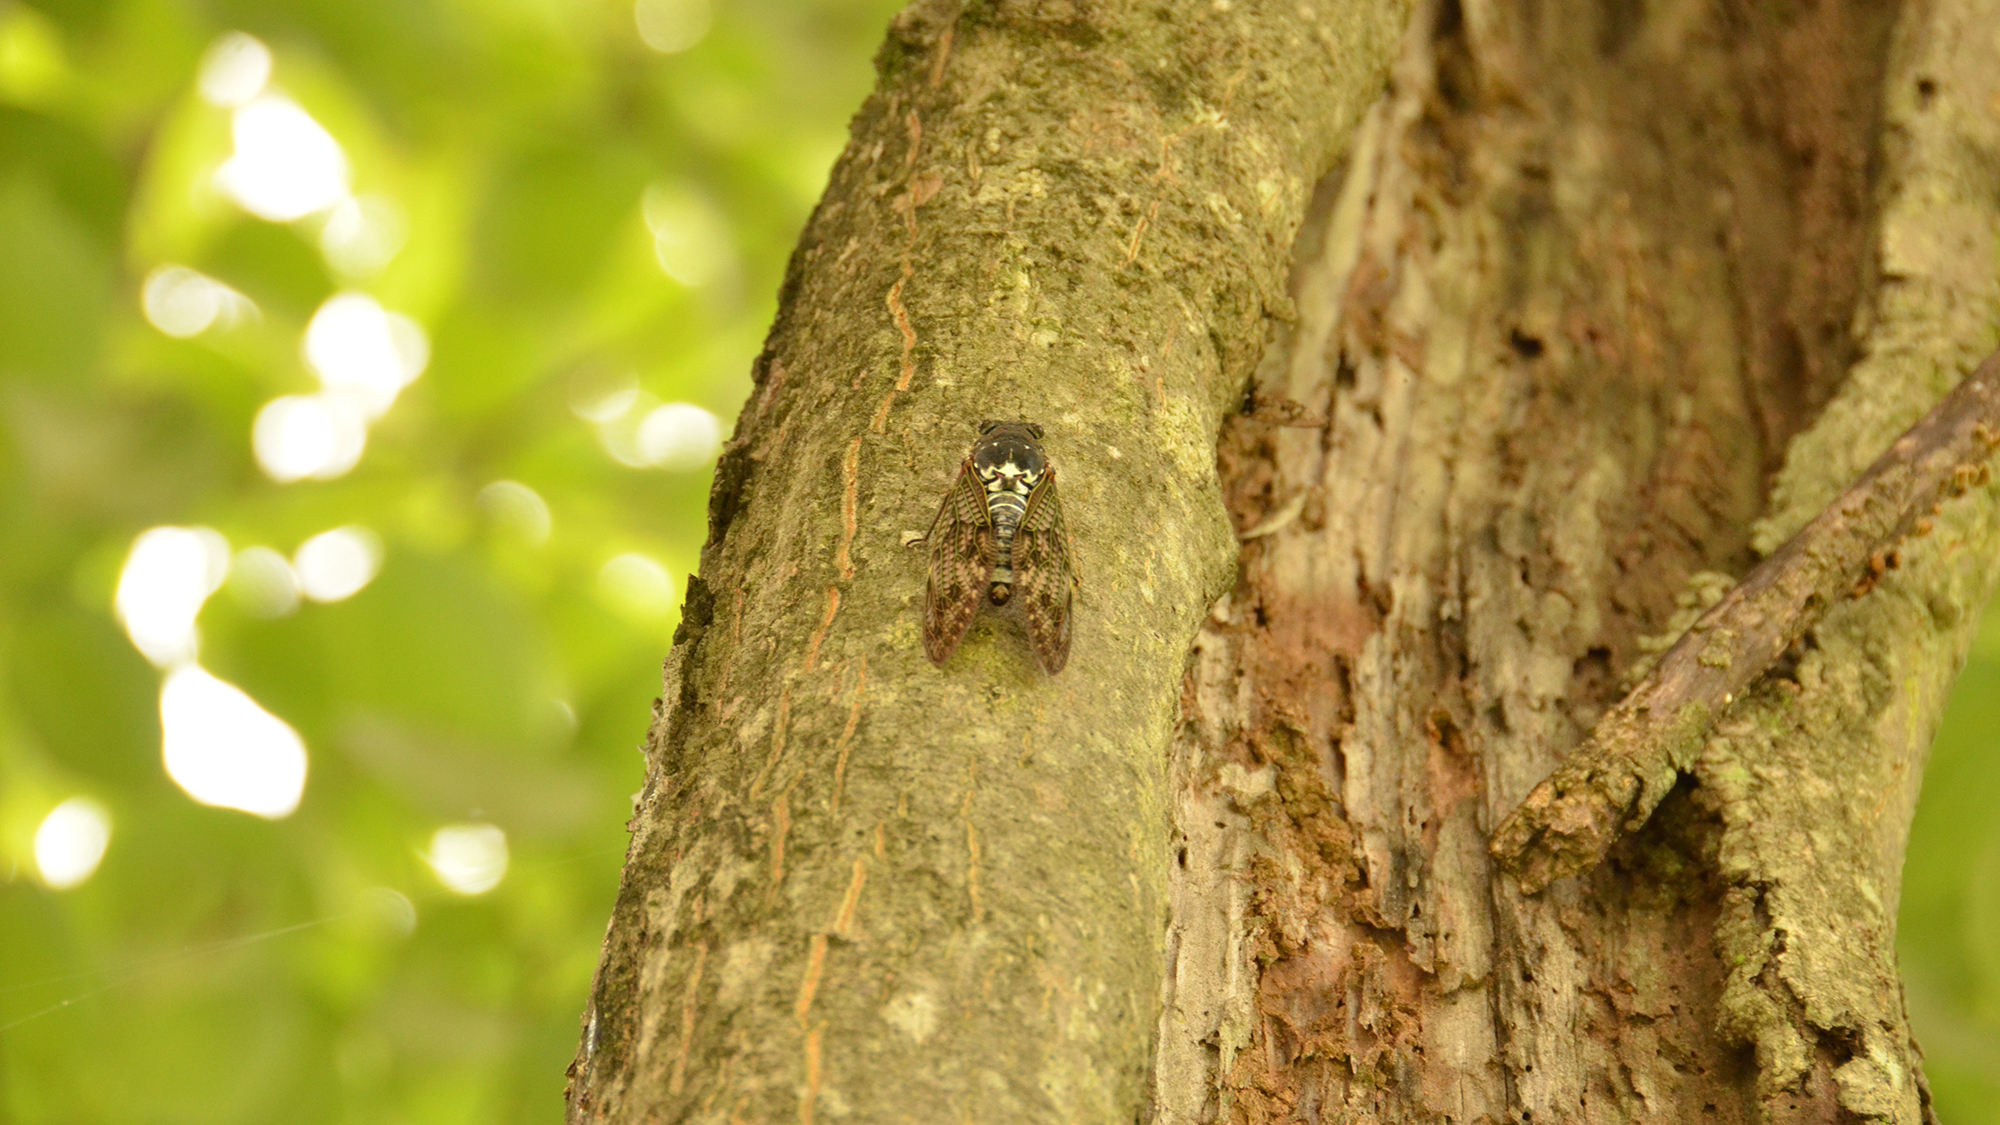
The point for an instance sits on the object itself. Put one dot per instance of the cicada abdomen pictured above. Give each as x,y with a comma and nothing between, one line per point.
999,538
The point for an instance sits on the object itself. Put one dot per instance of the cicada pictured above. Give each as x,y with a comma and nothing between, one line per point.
998,539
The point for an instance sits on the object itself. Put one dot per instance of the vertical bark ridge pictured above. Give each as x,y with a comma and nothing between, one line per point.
861,886
1587,274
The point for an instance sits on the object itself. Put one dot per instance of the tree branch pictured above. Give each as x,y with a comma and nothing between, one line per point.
1609,785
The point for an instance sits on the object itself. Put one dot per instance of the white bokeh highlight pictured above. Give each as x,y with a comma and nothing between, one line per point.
309,437
70,842
337,564
236,69
518,508
263,583
672,26
678,436
618,434
602,396
285,165
636,586
183,303
168,574
364,356
363,351
224,750
469,859
362,235
690,239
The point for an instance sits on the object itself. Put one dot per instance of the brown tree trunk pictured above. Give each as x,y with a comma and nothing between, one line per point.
862,886
1589,279
1590,275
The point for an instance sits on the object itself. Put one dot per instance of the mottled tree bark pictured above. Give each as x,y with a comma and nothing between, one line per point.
1602,303
862,886
1592,272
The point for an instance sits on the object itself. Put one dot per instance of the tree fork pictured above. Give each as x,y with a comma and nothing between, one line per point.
1609,786
861,885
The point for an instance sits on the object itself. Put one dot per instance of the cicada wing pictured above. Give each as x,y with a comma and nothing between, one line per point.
963,552
1044,574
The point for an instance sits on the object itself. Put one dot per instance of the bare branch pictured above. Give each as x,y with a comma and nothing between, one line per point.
1610,784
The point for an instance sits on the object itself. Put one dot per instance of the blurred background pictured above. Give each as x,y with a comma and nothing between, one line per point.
362,367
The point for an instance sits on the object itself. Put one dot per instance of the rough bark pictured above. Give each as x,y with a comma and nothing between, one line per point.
1640,749
1591,273
861,886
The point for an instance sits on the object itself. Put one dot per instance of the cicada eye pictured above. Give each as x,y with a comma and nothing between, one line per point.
986,427
1035,430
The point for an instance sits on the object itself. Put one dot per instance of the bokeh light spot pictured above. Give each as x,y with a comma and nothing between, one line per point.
679,436
600,395
637,586
336,564
518,508
32,67
167,576
70,842
690,240
262,582
182,303
619,434
469,859
301,437
235,70
362,235
286,165
393,909
361,350
672,26
225,750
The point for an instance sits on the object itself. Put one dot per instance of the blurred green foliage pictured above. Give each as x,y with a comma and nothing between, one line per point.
1949,939
579,216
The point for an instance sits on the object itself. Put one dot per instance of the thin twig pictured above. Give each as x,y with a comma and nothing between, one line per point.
1610,784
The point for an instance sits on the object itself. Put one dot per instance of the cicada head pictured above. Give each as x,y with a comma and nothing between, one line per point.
1009,455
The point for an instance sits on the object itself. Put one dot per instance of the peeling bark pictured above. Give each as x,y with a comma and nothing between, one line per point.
1589,275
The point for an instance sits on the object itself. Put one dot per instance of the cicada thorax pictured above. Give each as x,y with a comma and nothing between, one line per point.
1009,463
